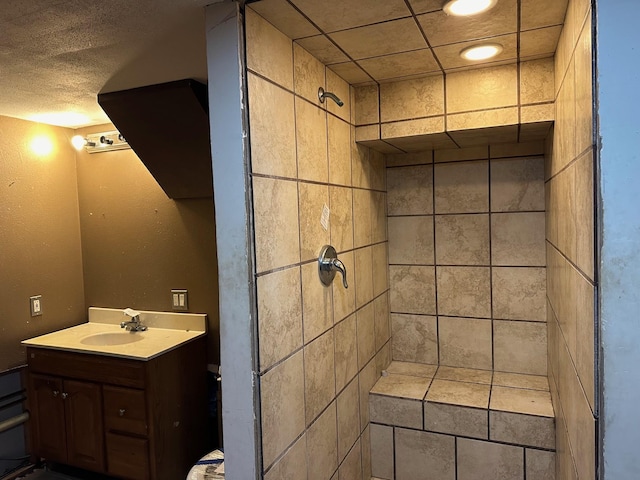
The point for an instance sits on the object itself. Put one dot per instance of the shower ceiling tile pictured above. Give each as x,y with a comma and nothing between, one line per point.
323,49
332,15
420,143
530,132
285,18
380,39
402,64
443,29
486,136
539,43
424,6
542,13
449,55
351,73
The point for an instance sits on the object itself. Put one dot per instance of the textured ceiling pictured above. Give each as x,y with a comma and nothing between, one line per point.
372,40
56,55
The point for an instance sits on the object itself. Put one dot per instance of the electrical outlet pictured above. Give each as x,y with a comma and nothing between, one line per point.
36,305
179,300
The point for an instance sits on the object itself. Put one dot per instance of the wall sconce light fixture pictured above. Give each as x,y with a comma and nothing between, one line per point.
100,142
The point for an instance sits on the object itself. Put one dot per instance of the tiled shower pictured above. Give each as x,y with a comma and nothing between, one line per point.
446,318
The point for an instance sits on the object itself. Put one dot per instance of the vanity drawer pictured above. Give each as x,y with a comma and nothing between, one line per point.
127,457
125,410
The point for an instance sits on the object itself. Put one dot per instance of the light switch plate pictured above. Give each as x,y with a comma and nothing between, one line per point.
35,303
179,300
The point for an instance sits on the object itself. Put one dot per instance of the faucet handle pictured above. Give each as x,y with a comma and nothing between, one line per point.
339,266
328,265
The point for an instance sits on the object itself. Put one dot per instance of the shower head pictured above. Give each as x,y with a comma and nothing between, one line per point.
322,94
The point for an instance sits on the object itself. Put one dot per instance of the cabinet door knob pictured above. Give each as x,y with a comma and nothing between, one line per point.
121,412
64,395
55,393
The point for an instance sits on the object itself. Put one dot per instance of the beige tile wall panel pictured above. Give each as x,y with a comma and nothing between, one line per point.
339,87
367,133
409,159
477,459
412,289
415,338
522,149
519,293
533,431
424,455
319,375
419,143
344,299
410,191
308,75
531,114
366,334
367,104
395,411
311,142
382,320
460,239
382,451
285,18
540,464
537,81
365,444
462,154
317,307
348,405
517,239
363,276
517,184
412,128
464,291
461,187
322,445
351,467
455,420
346,351
293,465
380,266
482,119
520,347
490,135
341,217
481,89
584,211
423,97
411,240
465,342
312,199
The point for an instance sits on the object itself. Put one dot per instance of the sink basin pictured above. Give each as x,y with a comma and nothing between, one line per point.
111,338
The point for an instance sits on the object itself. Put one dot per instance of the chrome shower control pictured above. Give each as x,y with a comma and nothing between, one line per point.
328,265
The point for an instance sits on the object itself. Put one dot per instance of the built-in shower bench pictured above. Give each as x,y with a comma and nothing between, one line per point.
444,423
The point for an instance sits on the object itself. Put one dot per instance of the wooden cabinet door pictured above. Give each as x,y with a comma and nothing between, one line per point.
85,434
47,417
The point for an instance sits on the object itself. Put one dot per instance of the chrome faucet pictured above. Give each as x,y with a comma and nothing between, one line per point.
134,324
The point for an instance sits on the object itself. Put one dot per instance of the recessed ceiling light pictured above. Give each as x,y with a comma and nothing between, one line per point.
467,7
481,52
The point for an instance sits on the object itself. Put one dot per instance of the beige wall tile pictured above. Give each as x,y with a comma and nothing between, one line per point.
367,105
344,299
464,291
350,73
534,114
395,411
381,451
348,405
269,51
462,239
408,159
308,74
366,334
522,149
293,465
478,459
470,375
339,136
465,342
340,88
519,293
422,97
363,276
456,420
367,133
565,138
583,97
585,335
282,400
412,128
362,217
518,239
410,190
346,351
382,320
540,464
536,81
323,49
415,338
341,218
378,217
482,119
474,395
517,184
484,88
462,154
539,13
351,468
412,289
279,315
365,445
423,455
380,268
312,199
286,19
317,307
519,400
527,430
492,135
584,210
319,375
540,42
462,187
378,170
411,240
366,380
272,118
322,445
520,347
311,142
275,207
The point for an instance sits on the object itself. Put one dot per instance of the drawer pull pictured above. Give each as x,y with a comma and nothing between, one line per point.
64,396
121,412
55,393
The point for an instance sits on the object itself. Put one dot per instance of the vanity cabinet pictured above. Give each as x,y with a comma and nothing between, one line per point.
130,419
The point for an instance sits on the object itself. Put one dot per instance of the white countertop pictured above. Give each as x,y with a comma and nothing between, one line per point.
165,331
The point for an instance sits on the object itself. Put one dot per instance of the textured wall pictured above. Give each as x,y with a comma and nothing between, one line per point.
138,244
467,257
571,274
321,348
39,236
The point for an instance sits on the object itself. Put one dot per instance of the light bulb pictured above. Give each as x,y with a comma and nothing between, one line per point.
481,52
468,7
41,145
78,141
